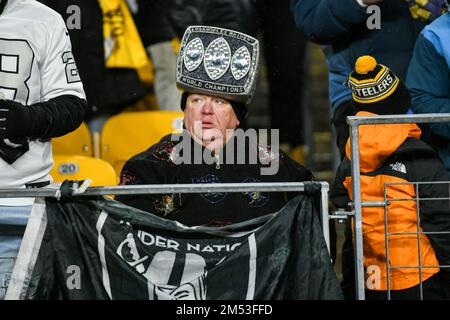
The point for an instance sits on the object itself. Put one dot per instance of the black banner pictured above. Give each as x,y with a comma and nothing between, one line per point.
102,249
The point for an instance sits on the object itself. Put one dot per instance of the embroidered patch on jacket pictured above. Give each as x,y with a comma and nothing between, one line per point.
214,197
165,151
168,204
398,166
256,199
127,177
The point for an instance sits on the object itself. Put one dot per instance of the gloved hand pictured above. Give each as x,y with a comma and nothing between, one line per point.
426,10
15,119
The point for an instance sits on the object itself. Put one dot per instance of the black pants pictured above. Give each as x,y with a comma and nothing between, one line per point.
339,122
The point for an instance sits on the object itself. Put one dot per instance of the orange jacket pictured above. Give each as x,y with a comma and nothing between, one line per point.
394,154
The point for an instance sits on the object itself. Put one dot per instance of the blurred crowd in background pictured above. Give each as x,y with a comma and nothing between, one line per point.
126,54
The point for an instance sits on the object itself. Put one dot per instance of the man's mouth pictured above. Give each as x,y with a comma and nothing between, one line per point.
207,125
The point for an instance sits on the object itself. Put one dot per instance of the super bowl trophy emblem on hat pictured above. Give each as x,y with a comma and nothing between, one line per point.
219,62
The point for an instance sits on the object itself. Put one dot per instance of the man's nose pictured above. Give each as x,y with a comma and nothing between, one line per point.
207,107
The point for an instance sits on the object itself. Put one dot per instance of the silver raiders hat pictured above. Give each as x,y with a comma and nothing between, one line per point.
218,62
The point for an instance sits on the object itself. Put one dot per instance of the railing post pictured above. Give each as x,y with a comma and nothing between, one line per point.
325,214
356,187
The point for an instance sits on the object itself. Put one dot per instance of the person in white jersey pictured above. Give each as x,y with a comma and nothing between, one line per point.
41,97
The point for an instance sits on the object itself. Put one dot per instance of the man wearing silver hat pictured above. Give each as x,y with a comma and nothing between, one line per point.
217,70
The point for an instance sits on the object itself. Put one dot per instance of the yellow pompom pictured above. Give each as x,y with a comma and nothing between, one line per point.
365,64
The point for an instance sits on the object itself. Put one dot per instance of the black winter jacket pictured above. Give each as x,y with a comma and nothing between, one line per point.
156,166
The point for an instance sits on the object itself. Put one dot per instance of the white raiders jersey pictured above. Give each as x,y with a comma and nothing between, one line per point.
36,65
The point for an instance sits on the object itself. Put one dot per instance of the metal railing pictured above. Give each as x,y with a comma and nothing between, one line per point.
186,188
418,233
354,123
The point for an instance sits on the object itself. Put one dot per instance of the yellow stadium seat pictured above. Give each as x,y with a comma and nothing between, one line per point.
70,167
77,142
130,133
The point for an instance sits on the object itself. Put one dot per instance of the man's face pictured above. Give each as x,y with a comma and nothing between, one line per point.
207,118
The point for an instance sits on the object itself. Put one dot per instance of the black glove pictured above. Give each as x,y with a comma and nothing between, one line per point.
53,118
15,119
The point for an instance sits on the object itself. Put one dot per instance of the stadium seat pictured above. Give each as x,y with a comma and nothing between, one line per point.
77,142
71,167
130,133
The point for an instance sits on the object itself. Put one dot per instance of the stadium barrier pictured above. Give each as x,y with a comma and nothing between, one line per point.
80,191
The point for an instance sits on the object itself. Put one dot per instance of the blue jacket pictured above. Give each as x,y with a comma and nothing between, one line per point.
341,25
429,82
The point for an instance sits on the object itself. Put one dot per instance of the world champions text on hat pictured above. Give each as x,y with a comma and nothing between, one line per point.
219,62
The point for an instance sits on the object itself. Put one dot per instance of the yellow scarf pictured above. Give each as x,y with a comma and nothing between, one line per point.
123,45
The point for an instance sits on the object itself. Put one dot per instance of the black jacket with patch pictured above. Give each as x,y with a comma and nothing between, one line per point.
156,166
